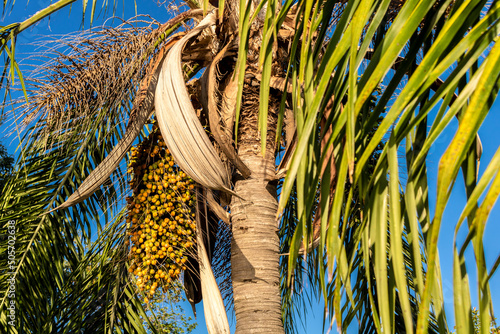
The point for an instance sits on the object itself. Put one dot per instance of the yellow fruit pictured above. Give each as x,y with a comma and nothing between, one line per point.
161,202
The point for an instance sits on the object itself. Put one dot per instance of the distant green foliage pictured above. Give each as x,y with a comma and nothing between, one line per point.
166,313
6,162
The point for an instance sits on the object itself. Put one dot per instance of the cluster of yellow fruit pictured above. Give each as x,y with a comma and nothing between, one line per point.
160,215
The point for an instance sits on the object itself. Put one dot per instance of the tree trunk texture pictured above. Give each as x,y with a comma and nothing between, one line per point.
255,244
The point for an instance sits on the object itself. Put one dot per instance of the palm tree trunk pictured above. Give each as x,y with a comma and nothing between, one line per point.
255,244
254,251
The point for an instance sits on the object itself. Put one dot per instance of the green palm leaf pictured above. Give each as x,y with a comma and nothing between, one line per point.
66,280
420,28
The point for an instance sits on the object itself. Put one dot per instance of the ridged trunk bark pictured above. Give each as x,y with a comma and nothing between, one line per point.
255,244
255,251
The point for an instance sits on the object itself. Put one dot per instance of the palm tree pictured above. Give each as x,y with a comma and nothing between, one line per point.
306,104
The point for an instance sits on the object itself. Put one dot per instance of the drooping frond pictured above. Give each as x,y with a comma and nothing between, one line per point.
72,84
142,106
84,101
54,272
8,43
414,57
179,124
213,305
10,32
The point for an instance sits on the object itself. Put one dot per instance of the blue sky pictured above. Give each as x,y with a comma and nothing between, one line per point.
68,21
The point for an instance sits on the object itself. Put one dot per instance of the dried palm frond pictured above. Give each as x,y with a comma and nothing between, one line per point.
217,209
96,89
179,125
213,306
221,263
217,236
100,71
213,115
141,112
91,71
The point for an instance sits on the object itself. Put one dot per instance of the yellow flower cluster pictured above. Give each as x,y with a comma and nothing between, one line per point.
160,215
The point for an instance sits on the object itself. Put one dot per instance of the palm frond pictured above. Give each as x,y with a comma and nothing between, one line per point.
56,276
51,250
325,68
10,32
185,136
213,305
